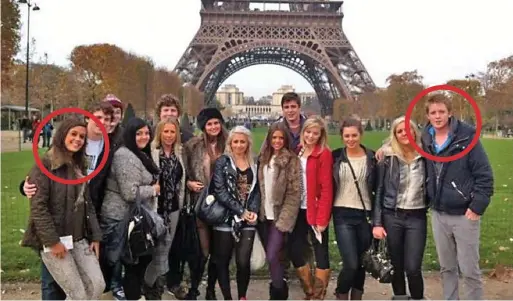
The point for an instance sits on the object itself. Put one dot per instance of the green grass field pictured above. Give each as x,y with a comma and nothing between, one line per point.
496,235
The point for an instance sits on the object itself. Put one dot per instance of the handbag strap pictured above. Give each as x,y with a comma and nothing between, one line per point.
357,187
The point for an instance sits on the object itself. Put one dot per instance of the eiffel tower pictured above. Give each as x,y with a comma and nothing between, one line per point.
304,36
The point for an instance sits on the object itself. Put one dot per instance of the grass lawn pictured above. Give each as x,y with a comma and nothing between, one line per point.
496,235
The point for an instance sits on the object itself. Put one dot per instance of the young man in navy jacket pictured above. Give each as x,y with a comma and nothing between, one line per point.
459,193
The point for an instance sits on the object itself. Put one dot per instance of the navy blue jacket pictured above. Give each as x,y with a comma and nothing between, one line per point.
453,187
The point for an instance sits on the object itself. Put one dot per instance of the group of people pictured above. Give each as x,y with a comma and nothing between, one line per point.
287,194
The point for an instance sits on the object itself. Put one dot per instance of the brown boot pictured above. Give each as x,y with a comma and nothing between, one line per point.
322,279
305,277
356,294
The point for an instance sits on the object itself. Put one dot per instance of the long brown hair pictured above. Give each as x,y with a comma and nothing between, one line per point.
59,145
221,139
268,150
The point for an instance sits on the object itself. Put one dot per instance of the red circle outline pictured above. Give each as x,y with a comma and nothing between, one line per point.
35,148
479,123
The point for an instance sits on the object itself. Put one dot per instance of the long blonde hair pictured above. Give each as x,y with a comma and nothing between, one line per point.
157,139
240,130
397,148
316,121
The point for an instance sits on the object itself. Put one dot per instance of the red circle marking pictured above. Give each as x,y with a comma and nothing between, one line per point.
474,141
35,148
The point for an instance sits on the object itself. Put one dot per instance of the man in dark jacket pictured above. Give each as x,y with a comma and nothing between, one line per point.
168,106
459,193
292,118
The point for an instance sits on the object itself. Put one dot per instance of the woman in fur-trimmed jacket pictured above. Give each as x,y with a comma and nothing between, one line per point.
201,154
279,173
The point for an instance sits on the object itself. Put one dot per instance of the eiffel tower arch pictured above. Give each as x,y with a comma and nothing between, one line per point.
304,36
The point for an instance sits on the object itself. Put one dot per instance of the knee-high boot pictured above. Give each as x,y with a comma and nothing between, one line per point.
322,279
305,277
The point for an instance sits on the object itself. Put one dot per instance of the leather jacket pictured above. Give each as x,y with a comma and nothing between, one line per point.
389,183
225,187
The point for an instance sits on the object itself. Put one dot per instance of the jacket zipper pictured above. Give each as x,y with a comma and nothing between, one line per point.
459,191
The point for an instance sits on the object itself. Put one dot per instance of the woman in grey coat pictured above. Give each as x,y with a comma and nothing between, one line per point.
132,171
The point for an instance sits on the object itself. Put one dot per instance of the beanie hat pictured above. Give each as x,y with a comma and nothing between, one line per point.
114,101
206,114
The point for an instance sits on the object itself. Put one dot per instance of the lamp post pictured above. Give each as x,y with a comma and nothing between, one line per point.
34,7
469,78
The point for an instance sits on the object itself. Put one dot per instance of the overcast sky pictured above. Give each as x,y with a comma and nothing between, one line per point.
442,39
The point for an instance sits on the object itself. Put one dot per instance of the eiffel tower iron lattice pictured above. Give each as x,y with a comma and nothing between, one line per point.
304,36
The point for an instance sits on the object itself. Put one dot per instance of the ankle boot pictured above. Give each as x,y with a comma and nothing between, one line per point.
400,297
356,294
321,281
304,274
342,296
284,295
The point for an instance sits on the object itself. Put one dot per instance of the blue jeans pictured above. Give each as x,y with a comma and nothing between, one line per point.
116,280
354,237
50,290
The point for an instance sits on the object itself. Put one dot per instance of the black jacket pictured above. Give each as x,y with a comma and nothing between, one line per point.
340,156
463,183
185,135
225,187
388,180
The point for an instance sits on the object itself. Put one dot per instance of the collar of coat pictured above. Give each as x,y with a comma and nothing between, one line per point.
57,159
281,159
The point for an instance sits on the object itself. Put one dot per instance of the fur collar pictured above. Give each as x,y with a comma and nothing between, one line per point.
281,159
56,159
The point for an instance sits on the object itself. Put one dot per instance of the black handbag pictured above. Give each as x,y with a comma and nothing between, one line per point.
375,260
377,263
209,209
147,228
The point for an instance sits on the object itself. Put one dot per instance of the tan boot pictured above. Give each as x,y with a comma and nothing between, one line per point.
321,281
304,274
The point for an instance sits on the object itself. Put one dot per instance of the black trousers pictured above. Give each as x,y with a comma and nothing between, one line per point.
406,240
134,285
298,244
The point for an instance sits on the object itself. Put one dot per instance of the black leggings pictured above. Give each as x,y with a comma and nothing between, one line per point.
298,243
223,244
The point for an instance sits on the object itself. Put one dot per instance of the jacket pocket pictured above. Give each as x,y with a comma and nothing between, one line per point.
454,196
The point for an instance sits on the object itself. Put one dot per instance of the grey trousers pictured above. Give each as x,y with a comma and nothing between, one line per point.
78,273
457,244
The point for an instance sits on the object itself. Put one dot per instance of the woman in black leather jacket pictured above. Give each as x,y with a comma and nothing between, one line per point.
400,209
235,186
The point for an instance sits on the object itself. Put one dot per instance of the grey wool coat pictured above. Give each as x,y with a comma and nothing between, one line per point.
126,176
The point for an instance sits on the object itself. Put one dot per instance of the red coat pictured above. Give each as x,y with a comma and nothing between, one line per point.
319,187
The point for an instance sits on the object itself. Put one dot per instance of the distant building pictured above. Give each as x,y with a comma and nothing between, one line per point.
231,97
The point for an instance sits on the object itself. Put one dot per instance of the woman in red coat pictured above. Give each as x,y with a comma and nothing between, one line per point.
315,211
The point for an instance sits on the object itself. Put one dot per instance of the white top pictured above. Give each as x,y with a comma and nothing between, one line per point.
93,151
303,169
347,195
268,185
